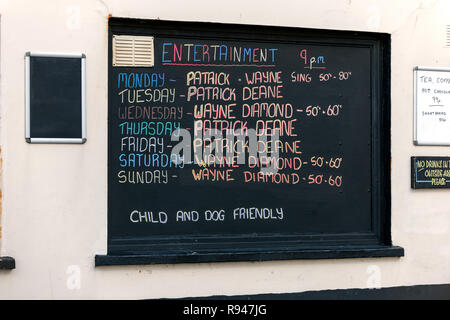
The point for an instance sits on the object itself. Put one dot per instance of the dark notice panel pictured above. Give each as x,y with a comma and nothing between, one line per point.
430,172
315,104
55,98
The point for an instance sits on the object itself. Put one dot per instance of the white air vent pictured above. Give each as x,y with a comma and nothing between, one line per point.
132,51
447,36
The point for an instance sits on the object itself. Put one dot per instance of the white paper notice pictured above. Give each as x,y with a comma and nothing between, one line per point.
431,106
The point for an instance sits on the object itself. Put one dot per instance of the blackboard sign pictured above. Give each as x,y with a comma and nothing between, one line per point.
248,143
430,172
55,98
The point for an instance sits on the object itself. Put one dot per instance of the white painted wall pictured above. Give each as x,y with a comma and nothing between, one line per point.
54,196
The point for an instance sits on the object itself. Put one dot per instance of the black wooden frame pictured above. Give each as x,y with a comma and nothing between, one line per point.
181,249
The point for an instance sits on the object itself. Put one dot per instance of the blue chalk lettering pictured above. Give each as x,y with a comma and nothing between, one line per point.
129,80
164,52
195,52
122,77
154,80
247,52
223,53
138,80
273,53
162,76
123,160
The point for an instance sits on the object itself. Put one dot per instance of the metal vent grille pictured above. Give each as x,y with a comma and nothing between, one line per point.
132,51
447,36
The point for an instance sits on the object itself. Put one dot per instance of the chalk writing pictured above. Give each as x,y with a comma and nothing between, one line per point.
196,123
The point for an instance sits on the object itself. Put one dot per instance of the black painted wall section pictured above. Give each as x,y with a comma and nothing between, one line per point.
7,263
422,292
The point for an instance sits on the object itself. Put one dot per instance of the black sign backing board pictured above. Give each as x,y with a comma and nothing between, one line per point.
55,104
326,91
430,172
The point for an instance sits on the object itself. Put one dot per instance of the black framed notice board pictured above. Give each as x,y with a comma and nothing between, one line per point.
430,172
241,143
55,97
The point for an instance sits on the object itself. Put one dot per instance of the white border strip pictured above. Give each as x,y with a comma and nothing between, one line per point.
57,140
415,106
27,97
431,143
56,55
83,98
431,69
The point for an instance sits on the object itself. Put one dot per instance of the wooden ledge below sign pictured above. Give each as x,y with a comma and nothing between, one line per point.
7,263
250,255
